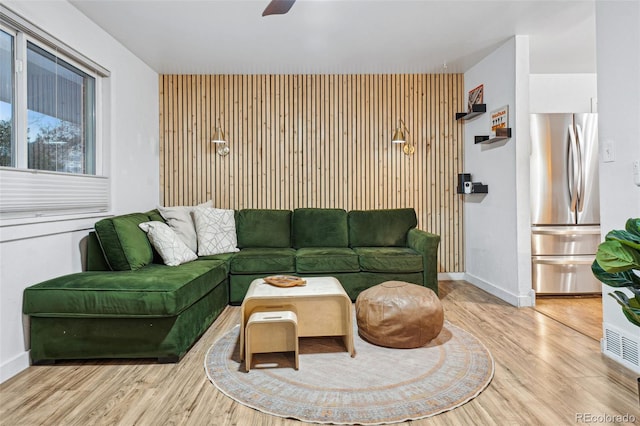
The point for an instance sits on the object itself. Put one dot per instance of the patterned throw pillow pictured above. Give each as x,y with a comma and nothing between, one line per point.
167,243
216,231
179,219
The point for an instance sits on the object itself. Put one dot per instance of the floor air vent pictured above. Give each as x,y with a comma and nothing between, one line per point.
624,348
613,343
630,351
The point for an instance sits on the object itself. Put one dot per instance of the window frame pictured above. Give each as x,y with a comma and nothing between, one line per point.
12,32
17,180
22,159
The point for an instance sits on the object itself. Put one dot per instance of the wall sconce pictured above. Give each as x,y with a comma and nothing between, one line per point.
219,138
399,136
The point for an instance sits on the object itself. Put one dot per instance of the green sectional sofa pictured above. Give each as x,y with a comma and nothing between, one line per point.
360,248
128,304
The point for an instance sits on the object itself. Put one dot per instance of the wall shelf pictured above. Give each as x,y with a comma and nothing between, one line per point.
476,188
476,110
501,135
465,184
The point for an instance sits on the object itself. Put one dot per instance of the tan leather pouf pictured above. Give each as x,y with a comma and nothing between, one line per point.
397,314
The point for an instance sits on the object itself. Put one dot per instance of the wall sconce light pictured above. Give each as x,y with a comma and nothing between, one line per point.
400,136
219,138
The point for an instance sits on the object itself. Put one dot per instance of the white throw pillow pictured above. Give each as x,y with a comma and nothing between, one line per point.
216,231
166,242
180,220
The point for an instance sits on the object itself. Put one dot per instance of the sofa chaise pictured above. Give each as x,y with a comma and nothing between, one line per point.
128,304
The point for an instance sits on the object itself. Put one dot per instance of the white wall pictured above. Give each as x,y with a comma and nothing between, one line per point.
31,253
497,225
559,93
618,52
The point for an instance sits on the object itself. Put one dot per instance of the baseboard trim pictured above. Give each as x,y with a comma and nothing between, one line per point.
14,366
450,276
513,299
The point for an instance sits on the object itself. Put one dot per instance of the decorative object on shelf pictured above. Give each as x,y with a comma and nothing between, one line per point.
399,136
285,281
475,110
219,138
499,120
465,186
500,135
479,188
617,264
475,97
278,7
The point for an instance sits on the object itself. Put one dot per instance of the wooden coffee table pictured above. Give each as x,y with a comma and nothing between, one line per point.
322,306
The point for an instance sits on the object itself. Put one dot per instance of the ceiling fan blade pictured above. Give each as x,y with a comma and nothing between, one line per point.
278,7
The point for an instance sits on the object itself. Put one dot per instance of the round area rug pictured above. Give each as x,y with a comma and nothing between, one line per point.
380,385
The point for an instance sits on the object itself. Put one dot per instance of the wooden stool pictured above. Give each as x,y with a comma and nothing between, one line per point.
275,331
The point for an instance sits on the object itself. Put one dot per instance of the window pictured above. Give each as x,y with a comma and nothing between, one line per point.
50,150
60,114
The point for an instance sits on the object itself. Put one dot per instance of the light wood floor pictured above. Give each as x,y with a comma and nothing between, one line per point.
583,314
545,374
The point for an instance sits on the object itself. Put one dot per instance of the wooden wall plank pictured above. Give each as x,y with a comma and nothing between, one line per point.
317,141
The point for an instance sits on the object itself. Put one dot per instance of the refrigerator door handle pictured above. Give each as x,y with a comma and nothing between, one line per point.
580,184
566,231
572,166
563,260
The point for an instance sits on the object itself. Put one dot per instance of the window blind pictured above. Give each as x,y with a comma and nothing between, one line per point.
34,193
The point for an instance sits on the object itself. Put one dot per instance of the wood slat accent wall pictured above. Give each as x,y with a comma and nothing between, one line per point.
317,141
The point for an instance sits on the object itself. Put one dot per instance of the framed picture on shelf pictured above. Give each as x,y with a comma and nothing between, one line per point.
499,119
475,97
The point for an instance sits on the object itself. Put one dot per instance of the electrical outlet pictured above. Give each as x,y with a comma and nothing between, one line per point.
636,172
608,153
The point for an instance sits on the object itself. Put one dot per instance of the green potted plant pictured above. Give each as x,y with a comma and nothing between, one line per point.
617,264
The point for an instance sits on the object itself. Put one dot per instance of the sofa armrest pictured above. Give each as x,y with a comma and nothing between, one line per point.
426,243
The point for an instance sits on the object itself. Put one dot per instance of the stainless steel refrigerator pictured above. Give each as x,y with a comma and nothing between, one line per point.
565,197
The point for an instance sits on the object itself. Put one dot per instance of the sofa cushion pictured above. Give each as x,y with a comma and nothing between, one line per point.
155,216
152,291
264,260
226,257
380,228
389,259
125,246
320,228
263,228
326,260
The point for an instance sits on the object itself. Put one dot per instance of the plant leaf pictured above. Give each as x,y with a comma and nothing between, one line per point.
613,279
633,277
631,313
622,298
625,237
633,226
613,256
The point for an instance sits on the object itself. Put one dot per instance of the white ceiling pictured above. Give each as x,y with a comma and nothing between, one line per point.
346,36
